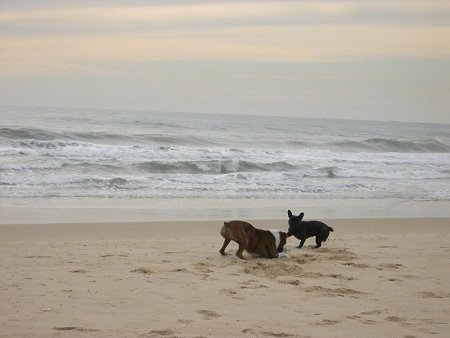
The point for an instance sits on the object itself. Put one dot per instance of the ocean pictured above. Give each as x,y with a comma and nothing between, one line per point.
56,153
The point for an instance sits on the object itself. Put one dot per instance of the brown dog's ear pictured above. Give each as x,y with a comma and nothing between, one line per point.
225,223
289,213
288,235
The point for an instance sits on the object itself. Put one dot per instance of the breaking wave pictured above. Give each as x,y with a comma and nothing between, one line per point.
212,167
151,155
391,145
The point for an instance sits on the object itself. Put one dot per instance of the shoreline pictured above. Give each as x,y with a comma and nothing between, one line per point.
82,210
46,232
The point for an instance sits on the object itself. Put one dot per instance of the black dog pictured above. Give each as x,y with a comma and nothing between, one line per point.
304,229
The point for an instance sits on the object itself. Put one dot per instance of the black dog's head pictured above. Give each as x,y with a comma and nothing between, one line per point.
294,222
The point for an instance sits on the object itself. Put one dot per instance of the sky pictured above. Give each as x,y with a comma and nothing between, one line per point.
363,59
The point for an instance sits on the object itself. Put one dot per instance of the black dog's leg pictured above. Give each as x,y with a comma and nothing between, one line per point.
301,243
318,242
225,243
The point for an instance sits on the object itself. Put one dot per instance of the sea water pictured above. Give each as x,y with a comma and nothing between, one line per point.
88,154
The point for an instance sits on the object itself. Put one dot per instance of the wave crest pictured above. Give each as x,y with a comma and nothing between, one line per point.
393,145
212,167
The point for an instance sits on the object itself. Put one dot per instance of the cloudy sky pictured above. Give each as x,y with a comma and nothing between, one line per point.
361,59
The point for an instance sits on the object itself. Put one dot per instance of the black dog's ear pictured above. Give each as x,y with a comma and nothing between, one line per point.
300,217
289,213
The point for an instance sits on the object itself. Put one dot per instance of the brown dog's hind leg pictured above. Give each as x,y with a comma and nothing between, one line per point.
225,243
242,247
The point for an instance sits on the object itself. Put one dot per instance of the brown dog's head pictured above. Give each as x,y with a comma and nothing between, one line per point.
283,238
280,239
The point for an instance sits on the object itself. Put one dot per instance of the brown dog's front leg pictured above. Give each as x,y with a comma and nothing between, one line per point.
225,243
273,253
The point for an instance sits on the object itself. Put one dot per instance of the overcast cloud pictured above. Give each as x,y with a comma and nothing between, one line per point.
336,59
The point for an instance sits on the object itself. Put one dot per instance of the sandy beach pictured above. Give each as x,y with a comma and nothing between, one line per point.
372,278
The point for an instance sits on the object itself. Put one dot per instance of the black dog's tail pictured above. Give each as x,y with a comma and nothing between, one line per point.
330,228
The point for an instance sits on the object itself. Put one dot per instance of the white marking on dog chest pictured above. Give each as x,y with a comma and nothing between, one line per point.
276,234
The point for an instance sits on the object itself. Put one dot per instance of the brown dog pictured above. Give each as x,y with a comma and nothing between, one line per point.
266,243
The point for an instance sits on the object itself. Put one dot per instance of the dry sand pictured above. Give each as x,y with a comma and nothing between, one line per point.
372,278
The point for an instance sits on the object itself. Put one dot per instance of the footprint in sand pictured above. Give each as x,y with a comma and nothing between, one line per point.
114,255
203,267
74,328
357,265
374,312
340,276
290,282
179,270
430,294
209,314
232,293
369,321
255,333
394,319
305,259
280,334
409,276
328,322
389,266
228,292
252,284
328,292
322,275
143,270
159,333
353,317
